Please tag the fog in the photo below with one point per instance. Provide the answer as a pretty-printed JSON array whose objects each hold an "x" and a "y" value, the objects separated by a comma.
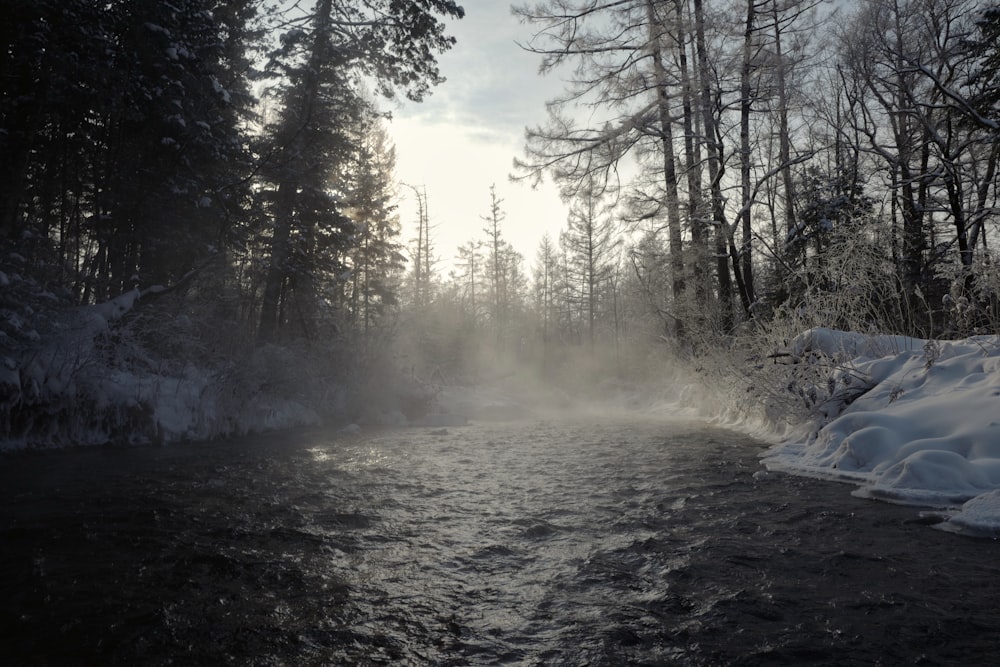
[{"x": 438, "y": 363}]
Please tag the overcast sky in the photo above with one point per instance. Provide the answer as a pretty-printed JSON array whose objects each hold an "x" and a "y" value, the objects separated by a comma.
[{"x": 464, "y": 137}]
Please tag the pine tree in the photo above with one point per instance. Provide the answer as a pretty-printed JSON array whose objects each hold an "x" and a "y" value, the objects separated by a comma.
[
  {"x": 588, "y": 241},
  {"x": 376, "y": 259},
  {"x": 470, "y": 265},
  {"x": 985, "y": 78},
  {"x": 121, "y": 140},
  {"x": 545, "y": 274},
  {"x": 496, "y": 262},
  {"x": 394, "y": 42}
]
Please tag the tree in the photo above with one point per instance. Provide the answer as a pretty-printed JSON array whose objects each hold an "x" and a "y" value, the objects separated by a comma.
[
  {"x": 470, "y": 263},
  {"x": 588, "y": 241},
  {"x": 497, "y": 258},
  {"x": 875, "y": 57},
  {"x": 620, "y": 52},
  {"x": 308, "y": 141},
  {"x": 658, "y": 22},
  {"x": 545, "y": 278},
  {"x": 984, "y": 77},
  {"x": 392, "y": 41},
  {"x": 376, "y": 258},
  {"x": 914, "y": 114},
  {"x": 708, "y": 110},
  {"x": 422, "y": 254},
  {"x": 124, "y": 137}
]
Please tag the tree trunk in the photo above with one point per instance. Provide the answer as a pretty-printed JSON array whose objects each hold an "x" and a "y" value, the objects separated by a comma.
[
  {"x": 692, "y": 166},
  {"x": 276, "y": 270},
  {"x": 784, "y": 141},
  {"x": 746, "y": 106},
  {"x": 713, "y": 145},
  {"x": 284, "y": 209},
  {"x": 671, "y": 195}
]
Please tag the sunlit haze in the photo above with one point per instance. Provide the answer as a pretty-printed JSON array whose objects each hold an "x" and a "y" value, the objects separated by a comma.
[
  {"x": 237, "y": 426},
  {"x": 463, "y": 138}
]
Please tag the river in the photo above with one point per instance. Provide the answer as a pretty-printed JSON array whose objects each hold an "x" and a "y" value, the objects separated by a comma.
[{"x": 617, "y": 541}]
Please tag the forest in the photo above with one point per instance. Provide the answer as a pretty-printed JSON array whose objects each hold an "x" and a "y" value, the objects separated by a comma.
[{"x": 199, "y": 228}]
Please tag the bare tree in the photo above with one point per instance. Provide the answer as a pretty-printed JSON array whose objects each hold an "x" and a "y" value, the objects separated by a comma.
[
  {"x": 911, "y": 66},
  {"x": 470, "y": 261},
  {"x": 623, "y": 58},
  {"x": 423, "y": 251},
  {"x": 589, "y": 240}
]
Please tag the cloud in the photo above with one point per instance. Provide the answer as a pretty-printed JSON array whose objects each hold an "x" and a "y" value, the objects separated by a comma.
[
  {"x": 464, "y": 137},
  {"x": 492, "y": 84},
  {"x": 457, "y": 169}
]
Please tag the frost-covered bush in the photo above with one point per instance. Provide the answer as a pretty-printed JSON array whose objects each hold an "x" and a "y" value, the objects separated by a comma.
[
  {"x": 788, "y": 373},
  {"x": 972, "y": 304},
  {"x": 62, "y": 382}
]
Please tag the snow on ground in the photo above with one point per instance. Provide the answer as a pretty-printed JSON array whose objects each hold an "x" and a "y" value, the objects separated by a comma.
[
  {"x": 920, "y": 423},
  {"x": 87, "y": 382}
]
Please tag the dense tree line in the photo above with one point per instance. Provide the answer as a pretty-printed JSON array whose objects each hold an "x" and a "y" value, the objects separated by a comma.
[
  {"x": 223, "y": 160},
  {"x": 590, "y": 304},
  {"x": 740, "y": 171},
  {"x": 141, "y": 140},
  {"x": 785, "y": 159}
]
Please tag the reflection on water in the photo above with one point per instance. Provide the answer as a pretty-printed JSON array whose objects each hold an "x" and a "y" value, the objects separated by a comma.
[
  {"x": 624, "y": 542},
  {"x": 351, "y": 458}
]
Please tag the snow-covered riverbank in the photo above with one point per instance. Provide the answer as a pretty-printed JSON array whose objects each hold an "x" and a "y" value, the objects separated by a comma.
[{"x": 907, "y": 420}]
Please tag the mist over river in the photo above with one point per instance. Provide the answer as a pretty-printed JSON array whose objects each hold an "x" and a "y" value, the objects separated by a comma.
[{"x": 615, "y": 541}]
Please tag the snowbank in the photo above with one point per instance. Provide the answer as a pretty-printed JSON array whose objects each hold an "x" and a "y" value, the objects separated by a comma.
[
  {"x": 908, "y": 420},
  {"x": 88, "y": 378}
]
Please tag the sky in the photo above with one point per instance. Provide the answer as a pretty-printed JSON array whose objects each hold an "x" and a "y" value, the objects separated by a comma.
[{"x": 465, "y": 136}]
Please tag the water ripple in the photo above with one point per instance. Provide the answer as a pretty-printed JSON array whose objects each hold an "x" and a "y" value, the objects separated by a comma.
[{"x": 612, "y": 543}]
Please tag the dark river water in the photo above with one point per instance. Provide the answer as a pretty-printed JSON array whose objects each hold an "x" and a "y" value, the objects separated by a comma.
[{"x": 616, "y": 542}]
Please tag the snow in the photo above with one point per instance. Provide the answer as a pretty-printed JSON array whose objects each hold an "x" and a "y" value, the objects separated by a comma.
[
  {"x": 982, "y": 512},
  {"x": 113, "y": 309},
  {"x": 152, "y": 27},
  {"x": 922, "y": 426},
  {"x": 89, "y": 382},
  {"x": 220, "y": 89}
]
